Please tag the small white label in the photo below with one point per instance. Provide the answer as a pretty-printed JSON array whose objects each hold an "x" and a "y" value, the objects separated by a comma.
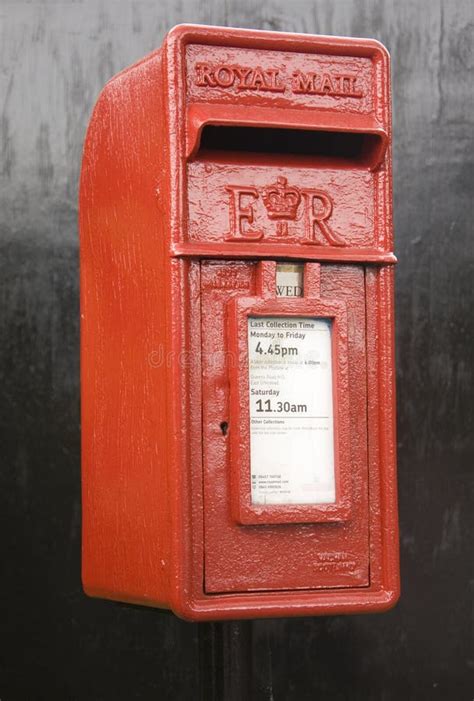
[
  {"x": 291, "y": 410},
  {"x": 289, "y": 280}
]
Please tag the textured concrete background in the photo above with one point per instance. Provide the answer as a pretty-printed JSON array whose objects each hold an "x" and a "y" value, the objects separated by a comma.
[{"x": 57, "y": 644}]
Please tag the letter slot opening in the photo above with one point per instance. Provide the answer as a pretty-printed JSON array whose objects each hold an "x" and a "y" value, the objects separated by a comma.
[{"x": 354, "y": 149}]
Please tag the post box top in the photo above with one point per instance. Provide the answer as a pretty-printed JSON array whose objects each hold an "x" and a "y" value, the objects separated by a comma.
[
  {"x": 297, "y": 80},
  {"x": 221, "y": 77},
  {"x": 183, "y": 34},
  {"x": 298, "y": 91}
]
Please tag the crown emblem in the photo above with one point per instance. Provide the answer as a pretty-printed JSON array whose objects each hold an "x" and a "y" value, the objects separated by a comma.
[{"x": 281, "y": 201}]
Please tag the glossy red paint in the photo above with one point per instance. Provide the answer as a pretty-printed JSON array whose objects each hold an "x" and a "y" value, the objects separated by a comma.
[{"x": 180, "y": 230}]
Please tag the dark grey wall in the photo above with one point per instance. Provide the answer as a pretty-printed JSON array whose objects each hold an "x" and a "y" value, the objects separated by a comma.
[{"x": 57, "y": 644}]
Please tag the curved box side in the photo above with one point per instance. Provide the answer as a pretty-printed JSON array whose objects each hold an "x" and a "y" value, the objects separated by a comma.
[{"x": 124, "y": 318}]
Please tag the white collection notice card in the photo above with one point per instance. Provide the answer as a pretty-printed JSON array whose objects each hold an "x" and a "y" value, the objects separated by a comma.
[{"x": 291, "y": 410}]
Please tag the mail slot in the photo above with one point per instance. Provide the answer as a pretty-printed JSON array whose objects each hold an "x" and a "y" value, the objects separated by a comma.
[{"x": 238, "y": 407}]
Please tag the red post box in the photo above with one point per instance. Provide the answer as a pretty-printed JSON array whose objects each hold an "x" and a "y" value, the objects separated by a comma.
[{"x": 238, "y": 413}]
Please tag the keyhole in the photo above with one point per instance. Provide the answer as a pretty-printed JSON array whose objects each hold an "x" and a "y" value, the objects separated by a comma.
[{"x": 224, "y": 426}]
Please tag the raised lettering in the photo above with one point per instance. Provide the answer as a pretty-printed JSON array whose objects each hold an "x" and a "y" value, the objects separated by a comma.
[
  {"x": 240, "y": 214},
  {"x": 273, "y": 84},
  {"x": 271, "y": 80},
  {"x": 326, "y": 84},
  {"x": 242, "y": 74},
  {"x": 303, "y": 82},
  {"x": 352, "y": 88},
  {"x": 224, "y": 76},
  {"x": 318, "y": 209},
  {"x": 257, "y": 80},
  {"x": 204, "y": 75}
]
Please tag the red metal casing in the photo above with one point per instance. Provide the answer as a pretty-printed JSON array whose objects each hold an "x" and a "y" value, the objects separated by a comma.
[{"x": 177, "y": 250}]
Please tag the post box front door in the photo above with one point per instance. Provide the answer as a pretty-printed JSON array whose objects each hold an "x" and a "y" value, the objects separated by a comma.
[{"x": 297, "y": 554}]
